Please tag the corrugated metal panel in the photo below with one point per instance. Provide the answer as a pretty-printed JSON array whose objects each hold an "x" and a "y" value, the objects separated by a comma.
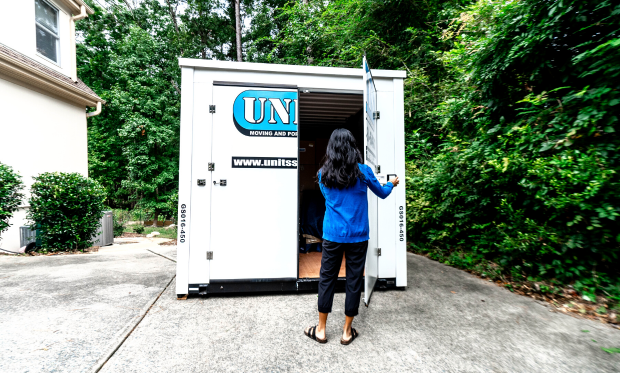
[{"x": 26, "y": 236}]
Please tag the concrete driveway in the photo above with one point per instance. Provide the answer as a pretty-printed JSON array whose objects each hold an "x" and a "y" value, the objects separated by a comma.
[
  {"x": 62, "y": 313},
  {"x": 446, "y": 321}
]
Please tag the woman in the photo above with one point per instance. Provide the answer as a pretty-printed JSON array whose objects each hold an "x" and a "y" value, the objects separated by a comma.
[{"x": 343, "y": 180}]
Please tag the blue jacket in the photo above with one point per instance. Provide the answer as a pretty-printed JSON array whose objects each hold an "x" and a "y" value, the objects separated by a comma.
[{"x": 346, "y": 214}]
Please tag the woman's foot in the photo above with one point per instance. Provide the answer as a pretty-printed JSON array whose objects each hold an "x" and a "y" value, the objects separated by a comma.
[
  {"x": 316, "y": 334},
  {"x": 348, "y": 335}
]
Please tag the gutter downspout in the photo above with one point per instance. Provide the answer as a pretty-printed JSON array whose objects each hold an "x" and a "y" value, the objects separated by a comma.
[
  {"x": 78, "y": 17},
  {"x": 96, "y": 112}
]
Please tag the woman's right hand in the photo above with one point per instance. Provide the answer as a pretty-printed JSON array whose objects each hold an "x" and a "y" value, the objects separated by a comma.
[{"x": 395, "y": 181}]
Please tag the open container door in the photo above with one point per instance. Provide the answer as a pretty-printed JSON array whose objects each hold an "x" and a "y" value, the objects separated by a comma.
[
  {"x": 370, "y": 142},
  {"x": 254, "y": 185}
]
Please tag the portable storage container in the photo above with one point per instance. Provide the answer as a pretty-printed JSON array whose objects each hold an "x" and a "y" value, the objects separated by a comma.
[{"x": 252, "y": 138}]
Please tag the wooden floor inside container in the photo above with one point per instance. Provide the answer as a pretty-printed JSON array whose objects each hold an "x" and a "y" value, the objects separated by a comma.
[{"x": 310, "y": 265}]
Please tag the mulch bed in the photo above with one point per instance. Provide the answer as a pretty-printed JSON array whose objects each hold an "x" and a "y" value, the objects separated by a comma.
[
  {"x": 169, "y": 243},
  {"x": 131, "y": 235},
  {"x": 93, "y": 249}
]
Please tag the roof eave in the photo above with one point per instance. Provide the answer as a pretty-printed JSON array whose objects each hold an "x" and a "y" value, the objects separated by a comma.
[{"x": 33, "y": 76}]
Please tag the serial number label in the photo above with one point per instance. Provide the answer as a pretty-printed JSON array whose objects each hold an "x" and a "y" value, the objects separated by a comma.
[
  {"x": 401, "y": 223},
  {"x": 183, "y": 223}
]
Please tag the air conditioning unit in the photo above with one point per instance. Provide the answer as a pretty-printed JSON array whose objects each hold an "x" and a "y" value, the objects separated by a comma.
[
  {"x": 26, "y": 236},
  {"x": 105, "y": 233}
]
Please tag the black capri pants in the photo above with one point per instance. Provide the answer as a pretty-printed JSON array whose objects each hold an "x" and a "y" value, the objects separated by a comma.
[{"x": 355, "y": 255}]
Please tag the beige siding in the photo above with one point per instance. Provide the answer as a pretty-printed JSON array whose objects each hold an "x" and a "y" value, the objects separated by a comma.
[
  {"x": 38, "y": 134},
  {"x": 17, "y": 31}
]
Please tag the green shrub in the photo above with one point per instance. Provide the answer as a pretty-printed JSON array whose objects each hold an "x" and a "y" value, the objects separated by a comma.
[
  {"x": 527, "y": 173},
  {"x": 10, "y": 196},
  {"x": 118, "y": 227},
  {"x": 68, "y": 208},
  {"x": 139, "y": 229},
  {"x": 121, "y": 218}
]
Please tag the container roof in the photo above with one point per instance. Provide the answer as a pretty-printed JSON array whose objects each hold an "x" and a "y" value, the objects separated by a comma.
[
  {"x": 286, "y": 69},
  {"x": 320, "y": 109}
]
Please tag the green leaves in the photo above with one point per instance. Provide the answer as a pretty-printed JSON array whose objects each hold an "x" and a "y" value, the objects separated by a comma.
[
  {"x": 10, "y": 195},
  {"x": 130, "y": 57},
  {"x": 530, "y": 170},
  {"x": 66, "y": 208}
]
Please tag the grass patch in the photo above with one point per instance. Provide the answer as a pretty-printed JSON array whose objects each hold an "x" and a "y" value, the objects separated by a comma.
[{"x": 163, "y": 231}]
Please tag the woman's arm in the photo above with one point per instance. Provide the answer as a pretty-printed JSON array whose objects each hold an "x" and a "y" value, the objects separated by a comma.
[{"x": 374, "y": 185}]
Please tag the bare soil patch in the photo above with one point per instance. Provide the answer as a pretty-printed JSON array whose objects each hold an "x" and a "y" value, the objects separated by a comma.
[
  {"x": 131, "y": 235},
  {"x": 169, "y": 243}
]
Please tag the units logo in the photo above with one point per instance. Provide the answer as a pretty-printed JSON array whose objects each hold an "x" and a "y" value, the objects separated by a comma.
[{"x": 266, "y": 113}]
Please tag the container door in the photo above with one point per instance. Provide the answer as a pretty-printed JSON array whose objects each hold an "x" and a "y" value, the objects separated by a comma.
[
  {"x": 254, "y": 183},
  {"x": 370, "y": 142}
]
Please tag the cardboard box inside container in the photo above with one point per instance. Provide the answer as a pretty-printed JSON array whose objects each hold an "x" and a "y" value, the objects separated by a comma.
[{"x": 306, "y": 156}]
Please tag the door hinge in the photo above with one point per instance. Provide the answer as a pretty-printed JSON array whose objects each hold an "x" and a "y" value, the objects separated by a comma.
[
  {"x": 378, "y": 169},
  {"x": 209, "y": 255},
  {"x": 211, "y": 166},
  {"x": 376, "y": 115},
  {"x": 378, "y": 251},
  {"x": 212, "y": 109}
]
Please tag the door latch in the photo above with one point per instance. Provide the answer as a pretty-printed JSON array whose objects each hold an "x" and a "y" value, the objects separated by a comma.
[
  {"x": 202, "y": 182},
  {"x": 209, "y": 255},
  {"x": 222, "y": 182},
  {"x": 212, "y": 109},
  {"x": 378, "y": 169},
  {"x": 211, "y": 166},
  {"x": 376, "y": 115},
  {"x": 379, "y": 251}
]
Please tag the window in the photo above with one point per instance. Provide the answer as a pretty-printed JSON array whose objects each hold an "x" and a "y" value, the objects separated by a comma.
[{"x": 46, "y": 19}]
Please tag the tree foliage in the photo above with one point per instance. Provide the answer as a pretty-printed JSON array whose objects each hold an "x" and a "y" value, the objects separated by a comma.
[
  {"x": 10, "y": 194},
  {"x": 511, "y": 113},
  {"x": 527, "y": 170}
]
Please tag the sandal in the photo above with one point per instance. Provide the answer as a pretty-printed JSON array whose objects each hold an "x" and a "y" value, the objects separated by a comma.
[
  {"x": 311, "y": 333},
  {"x": 354, "y": 335}
]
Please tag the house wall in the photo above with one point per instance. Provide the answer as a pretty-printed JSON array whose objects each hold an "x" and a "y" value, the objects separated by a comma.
[
  {"x": 38, "y": 134},
  {"x": 17, "y": 31}
]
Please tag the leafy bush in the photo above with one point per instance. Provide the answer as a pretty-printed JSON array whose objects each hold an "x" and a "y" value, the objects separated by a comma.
[
  {"x": 10, "y": 196},
  {"x": 139, "y": 229},
  {"x": 118, "y": 227},
  {"x": 528, "y": 171},
  {"x": 121, "y": 218},
  {"x": 68, "y": 208}
]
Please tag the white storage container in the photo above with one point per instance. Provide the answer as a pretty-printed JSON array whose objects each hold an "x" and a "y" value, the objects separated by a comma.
[{"x": 252, "y": 137}]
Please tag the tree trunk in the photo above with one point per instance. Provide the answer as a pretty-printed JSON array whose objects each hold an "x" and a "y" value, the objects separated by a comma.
[
  {"x": 155, "y": 218},
  {"x": 308, "y": 48},
  {"x": 238, "y": 29}
]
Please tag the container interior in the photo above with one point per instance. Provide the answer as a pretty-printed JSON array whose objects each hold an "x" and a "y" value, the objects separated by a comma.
[{"x": 319, "y": 115}]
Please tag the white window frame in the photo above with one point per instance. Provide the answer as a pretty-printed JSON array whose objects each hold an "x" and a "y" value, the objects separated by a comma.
[{"x": 56, "y": 35}]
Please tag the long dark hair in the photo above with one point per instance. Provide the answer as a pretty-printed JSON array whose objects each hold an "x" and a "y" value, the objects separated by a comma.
[{"x": 339, "y": 168}]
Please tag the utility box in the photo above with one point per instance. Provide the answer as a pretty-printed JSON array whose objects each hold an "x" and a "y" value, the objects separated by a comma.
[
  {"x": 252, "y": 140},
  {"x": 105, "y": 232}
]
